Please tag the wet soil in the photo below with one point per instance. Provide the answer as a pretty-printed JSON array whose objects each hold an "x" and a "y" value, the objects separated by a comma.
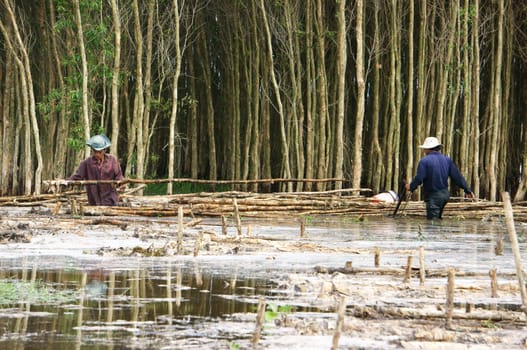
[{"x": 134, "y": 286}]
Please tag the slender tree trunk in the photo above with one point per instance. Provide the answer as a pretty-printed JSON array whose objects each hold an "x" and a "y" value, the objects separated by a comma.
[
  {"x": 148, "y": 87},
  {"x": 410, "y": 94},
  {"x": 115, "y": 77},
  {"x": 310, "y": 105},
  {"x": 175, "y": 81},
  {"x": 86, "y": 119},
  {"x": 29, "y": 105},
  {"x": 139, "y": 106},
  {"x": 61, "y": 136},
  {"x": 421, "y": 83},
  {"x": 446, "y": 67},
  {"x": 8, "y": 129},
  {"x": 341, "y": 100},
  {"x": 377, "y": 160},
  {"x": 284, "y": 145},
  {"x": 361, "y": 90},
  {"x": 254, "y": 166},
  {"x": 467, "y": 93},
  {"x": 496, "y": 102},
  {"x": 209, "y": 114},
  {"x": 321, "y": 87},
  {"x": 474, "y": 102},
  {"x": 194, "y": 146}
]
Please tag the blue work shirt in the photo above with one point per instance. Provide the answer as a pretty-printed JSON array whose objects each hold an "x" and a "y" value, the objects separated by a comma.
[{"x": 433, "y": 172}]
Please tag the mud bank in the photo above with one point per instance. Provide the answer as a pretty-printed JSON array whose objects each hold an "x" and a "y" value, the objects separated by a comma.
[{"x": 204, "y": 293}]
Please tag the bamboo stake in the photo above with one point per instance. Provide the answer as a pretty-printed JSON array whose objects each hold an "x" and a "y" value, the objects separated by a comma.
[
  {"x": 74, "y": 207},
  {"x": 422, "y": 271},
  {"x": 450, "y": 298},
  {"x": 302, "y": 227},
  {"x": 408, "y": 272},
  {"x": 340, "y": 321},
  {"x": 249, "y": 231},
  {"x": 197, "y": 246},
  {"x": 493, "y": 284},
  {"x": 180, "y": 231},
  {"x": 237, "y": 216},
  {"x": 498, "y": 250},
  {"x": 260, "y": 318},
  {"x": 509, "y": 220},
  {"x": 377, "y": 259},
  {"x": 223, "y": 225}
]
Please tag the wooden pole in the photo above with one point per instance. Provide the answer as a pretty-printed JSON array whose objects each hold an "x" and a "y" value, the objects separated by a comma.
[
  {"x": 377, "y": 259},
  {"x": 422, "y": 271},
  {"x": 509, "y": 220},
  {"x": 223, "y": 225},
  {"x": 493, "y": 283},
  {"x": 237, "y": 216},
  {"x": 450, "y": 298},
  {"x": 260, "y": 318},
  {"x": 340, "y": 321},
  {"x": 180, "y": 231},
  {"x": 498, "y": 250},
  {"x": 197, "y": 246},
  {"x": 302, "y": 227},
  {"x": 408, "y": 271}
]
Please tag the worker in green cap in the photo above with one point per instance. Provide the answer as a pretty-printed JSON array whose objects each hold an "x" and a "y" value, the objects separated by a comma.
[{"x": 99, "y": 166}]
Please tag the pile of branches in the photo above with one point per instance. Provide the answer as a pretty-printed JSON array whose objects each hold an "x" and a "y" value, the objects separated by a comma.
[
  {"x": 298, "y": 204},
  {"x": 352, "y": 202}
]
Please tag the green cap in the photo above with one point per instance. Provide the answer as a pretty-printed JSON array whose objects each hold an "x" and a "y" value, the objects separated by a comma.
[{"x": 99, "y": 142}]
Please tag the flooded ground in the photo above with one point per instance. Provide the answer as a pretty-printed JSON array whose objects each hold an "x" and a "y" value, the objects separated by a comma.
[{"x": 89, "y": 283}]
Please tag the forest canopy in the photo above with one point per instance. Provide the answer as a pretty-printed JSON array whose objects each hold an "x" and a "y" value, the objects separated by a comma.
[{"x": 258, "y": 89}]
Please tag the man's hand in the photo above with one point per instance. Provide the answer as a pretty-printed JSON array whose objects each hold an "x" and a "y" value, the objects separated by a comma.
[
  {"x": 469, "y": 195},
  {"x": 407, "y": 186}
]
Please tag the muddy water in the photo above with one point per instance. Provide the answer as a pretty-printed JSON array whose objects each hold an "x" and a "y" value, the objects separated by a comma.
[{"x": 208, "y": 302}]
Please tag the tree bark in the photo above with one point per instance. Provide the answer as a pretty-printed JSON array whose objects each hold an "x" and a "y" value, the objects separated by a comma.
[
  {"x": 86, "y": 113},
  {"x": 361, "y": 90},
  {"x": 341, "y": 99}
]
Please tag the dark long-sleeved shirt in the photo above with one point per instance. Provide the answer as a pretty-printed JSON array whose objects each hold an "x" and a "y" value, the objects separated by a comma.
[
  {"x": 89, "y": 169},
  {"x": 433, "y": 172}
]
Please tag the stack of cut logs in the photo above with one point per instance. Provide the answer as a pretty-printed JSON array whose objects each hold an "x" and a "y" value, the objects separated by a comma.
[{"x": 336, "y": 202}]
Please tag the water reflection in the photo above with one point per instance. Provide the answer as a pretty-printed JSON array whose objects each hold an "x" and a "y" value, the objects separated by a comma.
[{"x": 108, "y": 306}]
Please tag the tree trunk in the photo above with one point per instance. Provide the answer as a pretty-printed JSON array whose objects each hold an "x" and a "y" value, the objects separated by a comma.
[
  {"x": 86, "y": 113},
  {"x": 139, "y": 105},
  {"x": 496, "y": 103},
  {"x": 175, "y": 81},
  {"x": 410, "y": 95},
  {"x": 115, "y": 77},
  {"x": 284, "y": 145},
  {"x": 361, "y": 90},
  {"x": 321, "y": 93},
  {"x": 341, "y": 99},
  {"x": 474, "y": 103}
]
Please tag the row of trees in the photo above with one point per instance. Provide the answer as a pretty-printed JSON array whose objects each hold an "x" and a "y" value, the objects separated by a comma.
[{"x": 254, "y": 89}]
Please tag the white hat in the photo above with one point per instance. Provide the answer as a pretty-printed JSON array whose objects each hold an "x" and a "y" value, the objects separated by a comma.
[{"x": 430, "y": 143}]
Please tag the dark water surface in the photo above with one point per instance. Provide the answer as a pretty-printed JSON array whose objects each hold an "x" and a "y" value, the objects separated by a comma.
[{"x": 88, "y": 302}]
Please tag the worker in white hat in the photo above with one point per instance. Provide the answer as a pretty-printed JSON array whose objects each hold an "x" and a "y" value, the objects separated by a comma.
[{"x": 433, "y": 172}]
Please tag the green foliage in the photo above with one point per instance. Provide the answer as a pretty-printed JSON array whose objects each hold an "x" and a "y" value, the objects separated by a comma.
[
  {"x": 182, "y": 187},
  {"x": 16, "y": 291},
  {"x": 76, "y": 140},
  {"x": 489, "y": 324},
  {"x": 273, "y": 311}
]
